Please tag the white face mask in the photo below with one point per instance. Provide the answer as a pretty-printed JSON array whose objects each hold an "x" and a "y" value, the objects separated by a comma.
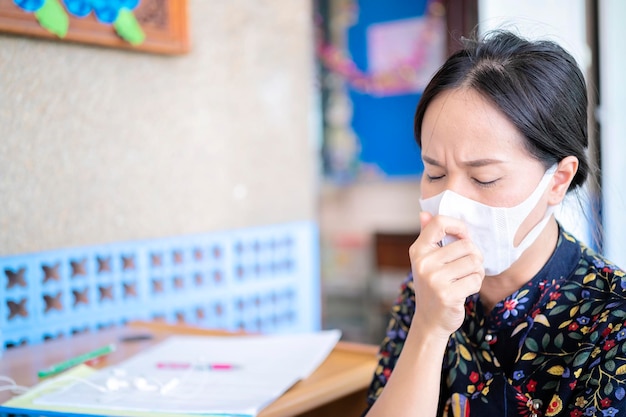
[{"x": 493, "y": 229}]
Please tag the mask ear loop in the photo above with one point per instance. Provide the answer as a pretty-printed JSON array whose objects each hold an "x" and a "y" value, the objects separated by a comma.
[{"x": 535, "y": 231}]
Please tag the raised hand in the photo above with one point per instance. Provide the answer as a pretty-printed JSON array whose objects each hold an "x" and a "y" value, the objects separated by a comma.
[{"x": 444, "y": 276}]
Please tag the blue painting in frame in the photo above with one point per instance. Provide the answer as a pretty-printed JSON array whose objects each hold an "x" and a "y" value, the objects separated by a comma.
[{"x": 384, "y": 124}]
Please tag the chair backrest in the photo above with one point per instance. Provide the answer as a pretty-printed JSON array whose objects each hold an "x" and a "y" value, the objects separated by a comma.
[{"x": 391, "y": 250}]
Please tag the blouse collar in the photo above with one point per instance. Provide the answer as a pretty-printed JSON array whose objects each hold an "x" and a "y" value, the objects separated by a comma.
[{"x": 538, "y": 291}]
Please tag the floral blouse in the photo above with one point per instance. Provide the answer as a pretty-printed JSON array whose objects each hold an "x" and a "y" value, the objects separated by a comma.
[{"x": 557, "y": 346}]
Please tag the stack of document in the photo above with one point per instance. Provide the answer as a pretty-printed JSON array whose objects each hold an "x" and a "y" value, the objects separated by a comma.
[{"x": 185, "y": 375}]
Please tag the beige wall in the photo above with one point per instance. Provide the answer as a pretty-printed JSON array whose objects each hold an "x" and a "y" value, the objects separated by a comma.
[
  {"x": 100, "y": 145},
  {"x": 369, "y": 207}
]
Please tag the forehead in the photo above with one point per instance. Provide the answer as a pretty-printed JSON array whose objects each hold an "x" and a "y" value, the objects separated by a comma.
[{"x": 462, "y": 123}]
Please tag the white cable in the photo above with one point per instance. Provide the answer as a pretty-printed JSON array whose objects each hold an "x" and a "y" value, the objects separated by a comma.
[
  {"x": 15, "y": 389},
  {"x": 56, "y": 380},
  {"x": 7, "y": 379},
  {"x": 12, "y": 386}
]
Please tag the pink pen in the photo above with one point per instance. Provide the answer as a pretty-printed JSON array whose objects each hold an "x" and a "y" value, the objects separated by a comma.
[
  {"x": 221, "y": 367},
  {"x": 172, "y": 365}
]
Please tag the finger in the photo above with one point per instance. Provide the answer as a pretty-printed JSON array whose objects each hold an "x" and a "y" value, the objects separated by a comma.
[
  {"x": 438, "y": 271},
  {"x": 425, "y": 218},
  {"x": 463, "y": 267},
  {"x": 436, "y": 229},
  {"x": 456, "y": 269},
  {"x": 466, "y": 286},
  {"x": 440, "y": 226},
  {"x": 459, "y": 249}
]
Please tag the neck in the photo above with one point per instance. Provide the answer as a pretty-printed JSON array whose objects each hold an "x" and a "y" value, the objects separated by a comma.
[{"x": 497, "y": 287}]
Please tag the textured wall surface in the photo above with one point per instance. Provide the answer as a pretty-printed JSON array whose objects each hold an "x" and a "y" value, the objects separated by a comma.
[{"x": 100, "y": 145}]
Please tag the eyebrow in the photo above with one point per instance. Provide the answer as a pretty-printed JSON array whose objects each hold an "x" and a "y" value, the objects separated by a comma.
[{"x": 476, "y": 163}]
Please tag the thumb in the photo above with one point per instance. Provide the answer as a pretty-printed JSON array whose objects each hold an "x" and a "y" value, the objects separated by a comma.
[{"x": 425, "y": 218}]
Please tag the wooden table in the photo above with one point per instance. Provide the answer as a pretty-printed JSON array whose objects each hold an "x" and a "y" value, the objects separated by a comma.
[{"x": 336, "y": 388}]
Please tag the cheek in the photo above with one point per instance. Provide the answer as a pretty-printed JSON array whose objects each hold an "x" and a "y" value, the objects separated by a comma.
[
  {"x": 500, "y": 198},
  {"x": 428, "y": 189},
  {"x": 505, "y": 194},
  {"x": 514, "y": 194}
]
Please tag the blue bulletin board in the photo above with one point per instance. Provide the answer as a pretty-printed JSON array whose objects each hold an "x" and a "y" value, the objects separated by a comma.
[{"x": 391, "y": 49}]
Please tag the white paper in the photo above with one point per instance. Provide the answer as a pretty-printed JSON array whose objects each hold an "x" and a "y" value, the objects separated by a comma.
[
  {"x": 396, "y": 44},
  {"x": 175, "y": 376}
]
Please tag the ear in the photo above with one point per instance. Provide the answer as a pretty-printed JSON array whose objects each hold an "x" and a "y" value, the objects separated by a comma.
[{"x": 565, "y": 172}]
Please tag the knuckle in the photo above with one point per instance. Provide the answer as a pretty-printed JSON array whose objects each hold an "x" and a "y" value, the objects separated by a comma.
[
  {"x": 418, "y": 268},
  {"x": 468, "y": 246},
  {"x": 476, "y": 282},
  {"x": 477, "y": 261}
]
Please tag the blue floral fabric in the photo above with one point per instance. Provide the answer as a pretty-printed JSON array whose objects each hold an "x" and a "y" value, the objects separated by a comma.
[{"x": 557, "y": 346}]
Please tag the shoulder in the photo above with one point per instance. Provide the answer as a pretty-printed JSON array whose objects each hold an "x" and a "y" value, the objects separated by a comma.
[
  {"x": 594, "y": 274},
  {"x": 590, "y": 301}
]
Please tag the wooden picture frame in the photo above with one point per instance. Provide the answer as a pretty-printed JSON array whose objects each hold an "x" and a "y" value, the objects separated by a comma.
[{"x": 164, "y": 23}]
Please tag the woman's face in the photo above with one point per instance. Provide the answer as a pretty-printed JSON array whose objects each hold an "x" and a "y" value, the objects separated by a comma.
[{"x": 471, "y": 148}]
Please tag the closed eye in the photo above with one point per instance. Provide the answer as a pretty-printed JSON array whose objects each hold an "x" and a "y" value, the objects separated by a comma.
[
  {"x": 485, "y": 184},
  {"x": 432, "y": 178}
]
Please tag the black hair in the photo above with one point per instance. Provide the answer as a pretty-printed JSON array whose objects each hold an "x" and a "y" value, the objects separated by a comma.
[{"x": 536, "y": 84}]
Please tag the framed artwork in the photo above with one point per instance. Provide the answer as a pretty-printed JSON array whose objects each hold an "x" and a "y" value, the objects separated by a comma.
[{"x": 156, "y": 26}]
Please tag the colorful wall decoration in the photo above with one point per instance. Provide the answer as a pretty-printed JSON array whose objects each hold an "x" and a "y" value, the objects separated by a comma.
[
  {"x": 377, "y": 58},
  {"x": 158, "y": 26}
]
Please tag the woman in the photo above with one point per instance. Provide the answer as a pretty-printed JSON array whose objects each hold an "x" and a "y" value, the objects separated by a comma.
[{"x": 505, "y": 313}]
